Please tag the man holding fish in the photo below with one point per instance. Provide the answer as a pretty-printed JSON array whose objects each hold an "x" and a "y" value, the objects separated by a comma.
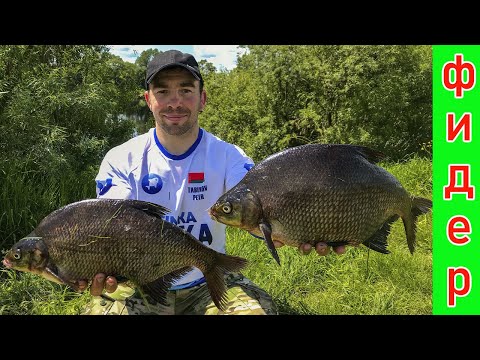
[{"x": 182, "y": 167}]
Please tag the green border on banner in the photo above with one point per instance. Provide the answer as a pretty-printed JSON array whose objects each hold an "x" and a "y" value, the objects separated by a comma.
[{"x": 456, "y": 267}]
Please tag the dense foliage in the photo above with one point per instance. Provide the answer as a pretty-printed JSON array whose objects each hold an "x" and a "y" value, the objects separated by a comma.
[
  {"x": 283, "y": 96},
  {"x": 63, "y": 106}
]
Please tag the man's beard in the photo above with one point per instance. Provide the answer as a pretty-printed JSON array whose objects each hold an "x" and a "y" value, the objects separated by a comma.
[{"x": 177, "y": 130}]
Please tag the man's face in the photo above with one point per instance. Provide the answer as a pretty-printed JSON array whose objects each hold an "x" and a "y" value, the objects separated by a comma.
[{"x": 175, "y": 100}]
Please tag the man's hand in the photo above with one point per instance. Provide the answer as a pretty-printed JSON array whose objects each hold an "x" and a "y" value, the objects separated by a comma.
[
  {"x": 321, "y": 248},
  {"x": 99, "y": 283}
]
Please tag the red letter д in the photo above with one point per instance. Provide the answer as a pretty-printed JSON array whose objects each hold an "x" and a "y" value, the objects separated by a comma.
[{"x": 463, "y": 187}]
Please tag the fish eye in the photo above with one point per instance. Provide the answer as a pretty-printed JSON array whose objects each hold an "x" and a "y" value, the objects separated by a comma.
[
  {"x": 17, "y": 255},
  {"x": 227, "y": 208}
]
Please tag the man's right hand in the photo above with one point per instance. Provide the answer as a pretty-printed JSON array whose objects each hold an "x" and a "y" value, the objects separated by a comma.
[
  {"x": 99, "y": 283},
  {"x": 321, "y": 248}
]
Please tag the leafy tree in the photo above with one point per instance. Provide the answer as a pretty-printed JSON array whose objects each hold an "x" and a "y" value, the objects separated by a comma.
[
  {"x": 66, "y": 105},
  {"x": 143, "y": 117},
  {"x": 282, "y": 96}
]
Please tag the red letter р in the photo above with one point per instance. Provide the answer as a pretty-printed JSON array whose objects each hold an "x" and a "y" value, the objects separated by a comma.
[
  {"x": 464, "y": 123},
  {"x": 458, "y": 67},
  {"x": 452, "y": 229},
  {"x": 452, "y": 290},
  {"x": 464, "y": 187}
]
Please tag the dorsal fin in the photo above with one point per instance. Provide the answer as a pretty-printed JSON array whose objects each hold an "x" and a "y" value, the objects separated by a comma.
[
  {"x": 371, "y": 155},
  {"x": 149, "y": 208}
]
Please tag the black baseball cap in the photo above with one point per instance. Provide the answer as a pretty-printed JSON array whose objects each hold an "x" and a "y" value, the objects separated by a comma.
[{"x": 169, "y": 59}]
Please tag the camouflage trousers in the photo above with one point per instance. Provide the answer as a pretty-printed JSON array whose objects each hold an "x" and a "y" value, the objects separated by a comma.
[{"x": 244, "y": 298}]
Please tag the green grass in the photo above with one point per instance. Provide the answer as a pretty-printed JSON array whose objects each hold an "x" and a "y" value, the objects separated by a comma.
[
  {"x": 28, "y": 294},
  {"x": 361, "y": 281}
]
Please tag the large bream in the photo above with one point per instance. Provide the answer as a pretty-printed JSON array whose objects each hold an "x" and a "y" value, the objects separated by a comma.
[{"x": 321, "y": 193}]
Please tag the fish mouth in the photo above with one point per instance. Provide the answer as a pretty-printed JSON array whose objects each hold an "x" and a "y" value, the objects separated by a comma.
[
  {"x": 212, "y": 214},
  {"x": 7, "y": 263}
]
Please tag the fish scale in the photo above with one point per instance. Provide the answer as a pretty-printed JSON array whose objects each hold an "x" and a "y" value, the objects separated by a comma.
[
  {"x": 102, "y": 242},
  {"x": 326, "y": 220},
  {"x": 121, "y": 238},
  {"x": 332, "y": 193}
]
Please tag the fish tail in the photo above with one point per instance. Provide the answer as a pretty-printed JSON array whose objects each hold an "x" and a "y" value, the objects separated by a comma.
[
  {"x": 419, "y": 206},
  {"x": 214, "y": 276}
]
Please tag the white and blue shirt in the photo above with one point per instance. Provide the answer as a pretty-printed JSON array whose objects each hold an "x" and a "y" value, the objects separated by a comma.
[{"x": 187, "y": 184}]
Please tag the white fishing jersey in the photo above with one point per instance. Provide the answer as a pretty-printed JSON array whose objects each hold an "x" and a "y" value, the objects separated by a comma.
[{"x": 187, "y": 184}]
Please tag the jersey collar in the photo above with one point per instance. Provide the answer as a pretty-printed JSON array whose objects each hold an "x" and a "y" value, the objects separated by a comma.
[{"x": 181, "y": 156}]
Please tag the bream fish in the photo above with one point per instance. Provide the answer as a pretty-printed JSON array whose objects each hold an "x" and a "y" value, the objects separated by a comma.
[
  {"x": 127, "y": 239},
  {"x": 314, "y": 193}
]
